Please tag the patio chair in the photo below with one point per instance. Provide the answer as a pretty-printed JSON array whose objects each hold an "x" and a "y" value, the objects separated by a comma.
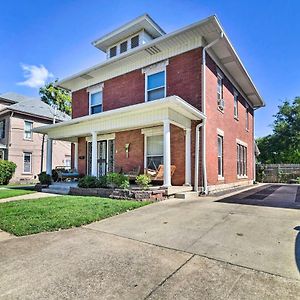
[
  {"x": 158, "y": 176},
  {"x": 64, "y": 173}
]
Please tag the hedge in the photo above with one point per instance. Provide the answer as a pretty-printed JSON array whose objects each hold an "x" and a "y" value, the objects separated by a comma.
[{"x": 7, "y": 170}]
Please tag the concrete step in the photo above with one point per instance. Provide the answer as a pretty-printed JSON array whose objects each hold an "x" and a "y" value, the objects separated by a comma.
[{"x": 187, "y": 195}]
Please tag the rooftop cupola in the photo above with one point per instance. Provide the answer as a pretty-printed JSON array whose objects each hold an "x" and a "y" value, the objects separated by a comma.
[{"x": 129, "y": 36}]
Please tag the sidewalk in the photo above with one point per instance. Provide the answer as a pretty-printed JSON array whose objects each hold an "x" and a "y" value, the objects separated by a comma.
[{"x": 37, "y": 195}]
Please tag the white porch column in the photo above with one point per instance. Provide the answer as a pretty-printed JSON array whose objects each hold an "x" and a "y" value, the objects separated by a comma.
[
  {"x": 94, "y": 154},
  {"x": 188, "y": 164},
  {"x": 167, "y": 154},
  {"x": 49, "y": 157},
  {"x": 76, "y": 156}
]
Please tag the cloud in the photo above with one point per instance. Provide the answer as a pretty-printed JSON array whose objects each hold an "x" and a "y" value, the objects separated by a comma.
[{"x": 36, "y": 76}]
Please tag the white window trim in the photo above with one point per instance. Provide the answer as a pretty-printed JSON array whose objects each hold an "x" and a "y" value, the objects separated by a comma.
[
  {"x": 220, "y": 132},
  {"x": 247, "y": 117},
  {"x": 236, "y": 94},
  {"x": 153, "y": 69},
  {"x": 221, "y": 176},
  {"x": 93, "y": 90},
  {"x": 220, "y": 76},
  {"x": 31, "y": 137},
  {"x": 153, "y": 131},
  {"x": 30, "y": 153},
  {"x": 241, "y": 143}
]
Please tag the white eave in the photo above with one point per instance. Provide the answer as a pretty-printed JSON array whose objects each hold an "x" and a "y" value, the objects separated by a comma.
[
  {"x": 144, "y": 22},
  {"x": 185, "y": 39},
  {"x": 139, "y": 115}
]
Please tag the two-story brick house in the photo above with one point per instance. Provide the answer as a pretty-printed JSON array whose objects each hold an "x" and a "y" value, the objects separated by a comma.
[
  {"x": 182, "y": 99},
  {"x": 19, "y": 115}
]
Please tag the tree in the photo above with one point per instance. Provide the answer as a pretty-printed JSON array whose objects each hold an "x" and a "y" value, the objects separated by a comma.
[
  {"x": 283, "y": 145},
  {"x": 54, "y": 95}
]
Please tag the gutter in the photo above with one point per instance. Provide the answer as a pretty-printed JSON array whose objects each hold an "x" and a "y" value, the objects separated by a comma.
[{"x": 203, "y": 125}]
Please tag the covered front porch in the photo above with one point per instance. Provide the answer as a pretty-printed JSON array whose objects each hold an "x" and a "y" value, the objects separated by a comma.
[{"x": 141, "y": 137}]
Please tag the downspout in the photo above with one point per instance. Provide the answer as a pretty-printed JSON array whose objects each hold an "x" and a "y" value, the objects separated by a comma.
[
  {"x": 203, "y": 97},
  {"x": 197, "y": 146}
]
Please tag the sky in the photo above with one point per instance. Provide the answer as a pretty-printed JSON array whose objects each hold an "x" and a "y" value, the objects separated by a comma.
[{"x": 45, "y": 40}]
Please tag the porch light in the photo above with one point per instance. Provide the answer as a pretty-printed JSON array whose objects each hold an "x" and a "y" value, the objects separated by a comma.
[{"x": 127, "y": 150}]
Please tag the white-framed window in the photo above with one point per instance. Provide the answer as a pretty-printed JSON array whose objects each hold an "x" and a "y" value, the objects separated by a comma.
[
  {"x": 154, "y": 151},
  {"x": 2, "y": 129},
  {"x": 135, "y": 41},
  {"x": 96, "y": 99},
  {"x": 113, "y": 51},
  {"x": 28, "y": 125},
  {"x": 27, "y": 162},
  {"x": 1, "y": 154},
  {"x": 236, "y": 104},
  {"x": 219, "y": 86},
  {"x": 220, "y": 157},
  {"x": 156, "y": 85},
  {"x": 123, "y": 47},
  {"x": 241, "y": 160},
  {"x": 247, "y": 118}
]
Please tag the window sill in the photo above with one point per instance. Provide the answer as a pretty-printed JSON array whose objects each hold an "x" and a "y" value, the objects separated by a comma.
[
  {"x": 30, "y": 140},
  {"x": 25, "y": 173},
  {"x": 221, "y": 110},
  {"x": 242, "y": 177},
  {"x": 221, "y": 178},
  {"x": 247, "y": 130},
  {"x": 236, "y": 118}
]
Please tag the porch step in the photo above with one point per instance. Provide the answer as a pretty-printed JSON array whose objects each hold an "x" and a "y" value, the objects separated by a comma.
[
  {"x": 61, "y": 188},
  {"x": 187, "y": 195}
]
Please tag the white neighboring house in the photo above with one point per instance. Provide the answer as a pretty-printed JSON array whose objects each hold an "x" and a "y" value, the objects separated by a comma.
[{"x": 19, "y": 114}]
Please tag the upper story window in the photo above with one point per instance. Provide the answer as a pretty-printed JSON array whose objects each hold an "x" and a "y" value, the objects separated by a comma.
[
  {"x": 2, "y": 129},
  {"x": 135, "y": 41},
  {"x": 113, "y": 51},
  {"x": 28, "y": 130},
  {"x": 123, "y": 47},
  {"x": 156, "y": 86},
  {"x": 95, "y": 102},
  {"x": 247, "y": 118},
  {"x": 219, "y": 87},
  {"x": 235, "y": 104}
]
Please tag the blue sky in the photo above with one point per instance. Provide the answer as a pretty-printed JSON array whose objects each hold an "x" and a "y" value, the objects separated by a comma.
[{"x": 52, "y": 39}]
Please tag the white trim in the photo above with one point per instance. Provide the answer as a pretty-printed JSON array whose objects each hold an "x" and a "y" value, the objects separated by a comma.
[
  {"x": 154, "y": 69},
  {"x": 158, "y": 130},
  {"x": 220, "y": 132},
  {"x": 102, "y": 137},
  {"x": 188, "y": 158},
  {"x": 94, "y": 90},
  {"x": 167, "y": 153},
  {"x": 236, "y": 97},
  {"x": 241, "y": 143},
  {"x": 30, "y": 154},
  {"x": 31, "y": 131}
]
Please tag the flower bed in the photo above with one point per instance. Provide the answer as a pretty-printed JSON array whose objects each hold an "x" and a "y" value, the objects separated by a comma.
[{"x": 130, "y": 194}]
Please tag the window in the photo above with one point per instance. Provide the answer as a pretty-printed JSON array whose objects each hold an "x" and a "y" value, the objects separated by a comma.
[
  {"x": 134, "y": 41},
  {"x": 156, "y": 86},
  {"x": 247, "y": 118},
  {"x": 67, "y": 161},
  {"x": 154, "y": 151},
  {"x": 220, "y": 87},
  {"x": 123, "y": 47},
  {"x": 2, "y": 129},
  {"x": 241, "y": 160},
  {"x": 220, "y": 156},
  {"x": 95, "y": 102},
  {"x": 28, "y": 130},
  {"x": 236, "y": 104},
  {"x": 113, "y": 51},
  {"x": 27, "y": 162},
  {"x": 1, "y": 154}
]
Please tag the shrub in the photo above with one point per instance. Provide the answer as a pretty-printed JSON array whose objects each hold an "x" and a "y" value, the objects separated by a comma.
[
  {"x": 102, "y": 181},
  {"x": 45, "y": 178},
  {"x": 117, "y": 180},
  {"x": 88, "y": 182},
  {"x": 143, "y": 181},
  {"x": 7, "y": 169},
  {"x": 54, "y": 175}
]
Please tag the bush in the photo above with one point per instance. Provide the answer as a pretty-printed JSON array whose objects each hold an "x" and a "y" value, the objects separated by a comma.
[
  {"x": 7, "y": 170},
  {"x": 143, "y": 181},
  {"x": 117, "y": 180},
  {"x": 88, "y": 182},
  {"x": 45, "y": 178},
  {"x": 54, "y": 175}
]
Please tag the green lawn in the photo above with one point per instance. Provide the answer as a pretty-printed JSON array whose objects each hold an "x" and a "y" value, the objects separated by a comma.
[
  {"x": 61, "y": 212},
  {"x": 7, "y": 193}
]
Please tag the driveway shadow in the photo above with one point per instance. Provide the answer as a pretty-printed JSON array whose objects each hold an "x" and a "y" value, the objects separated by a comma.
[{"x": 297, "y": 248}]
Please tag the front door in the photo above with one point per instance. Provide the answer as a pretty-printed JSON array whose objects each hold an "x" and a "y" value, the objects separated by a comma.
[{"x": 102, "y": 158}]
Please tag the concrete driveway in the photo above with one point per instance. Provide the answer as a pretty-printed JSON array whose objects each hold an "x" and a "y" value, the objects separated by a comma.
[{"x": 176, "y": 249}]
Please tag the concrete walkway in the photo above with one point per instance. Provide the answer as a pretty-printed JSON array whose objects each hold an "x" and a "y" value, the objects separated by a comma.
[
  {"x": 37, "y": 195},
  {"x": 195, "y": 249}
]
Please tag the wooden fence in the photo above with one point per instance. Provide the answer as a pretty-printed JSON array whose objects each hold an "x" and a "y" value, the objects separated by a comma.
[{"x": 284, "y": 173}]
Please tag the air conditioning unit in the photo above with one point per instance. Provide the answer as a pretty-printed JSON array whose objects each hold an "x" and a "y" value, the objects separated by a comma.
[{"x": 221, "y": 104}]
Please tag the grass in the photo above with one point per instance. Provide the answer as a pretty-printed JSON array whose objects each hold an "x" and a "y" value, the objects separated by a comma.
[
  {"x": 62, "y": 212},
  {"x": 7, "y": 193}
]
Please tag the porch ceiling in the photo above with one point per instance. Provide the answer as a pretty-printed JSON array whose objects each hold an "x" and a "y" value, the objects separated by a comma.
[{"x": 172, "y": 108}]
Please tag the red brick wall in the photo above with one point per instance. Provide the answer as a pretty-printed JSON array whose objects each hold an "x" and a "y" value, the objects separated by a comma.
[
  {"x": 184, "y": 77},
  {"x": 136, "y": 150},
  {"x": 124, "y": 90},
  {"x": 233, "y": 129},
  {"x": 80, "y": 103},
  {"x": 82, "y": 152}
]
